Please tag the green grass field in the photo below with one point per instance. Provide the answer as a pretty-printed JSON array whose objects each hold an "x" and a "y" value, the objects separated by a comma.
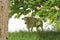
[{"x": 34, "y": 35}]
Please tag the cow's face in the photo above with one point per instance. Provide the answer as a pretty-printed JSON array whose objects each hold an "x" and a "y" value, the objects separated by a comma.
[{"x": 25, "y": 19}]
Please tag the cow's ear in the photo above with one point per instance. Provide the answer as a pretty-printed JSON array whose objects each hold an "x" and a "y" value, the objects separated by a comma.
[{"x": 22, "y": 18}]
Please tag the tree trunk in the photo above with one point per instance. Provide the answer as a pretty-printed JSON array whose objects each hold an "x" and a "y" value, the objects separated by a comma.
[{"x": 4, "y": 11}]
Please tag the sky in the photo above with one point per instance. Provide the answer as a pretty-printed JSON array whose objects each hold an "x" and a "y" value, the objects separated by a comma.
[{"x": 19, "y": 24}]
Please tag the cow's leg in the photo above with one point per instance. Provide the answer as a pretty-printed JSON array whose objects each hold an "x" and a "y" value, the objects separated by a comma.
[
  {"x": 28, "y": 29},
  {"x": 41, "y": 25},
  {"x": 31, "y": 28},
  {"x": 42, "y": 28},
  {"x": 37, "y": 28}
]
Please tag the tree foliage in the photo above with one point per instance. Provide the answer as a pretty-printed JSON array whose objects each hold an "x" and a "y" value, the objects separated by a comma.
[{"x": 43, "y": 8}]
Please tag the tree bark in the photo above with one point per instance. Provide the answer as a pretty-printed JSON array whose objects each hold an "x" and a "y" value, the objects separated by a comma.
[{"x": 4, "y": 12}]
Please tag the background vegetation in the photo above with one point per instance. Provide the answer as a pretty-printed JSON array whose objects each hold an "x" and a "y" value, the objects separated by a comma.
[{"x": 45, "y": 9}]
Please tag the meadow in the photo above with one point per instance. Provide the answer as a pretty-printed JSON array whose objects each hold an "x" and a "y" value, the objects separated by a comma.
[{"x": 21, "y": 35}]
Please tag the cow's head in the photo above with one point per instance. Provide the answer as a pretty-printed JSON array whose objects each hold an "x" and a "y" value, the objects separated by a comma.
[{"x": 25, "y": 19}]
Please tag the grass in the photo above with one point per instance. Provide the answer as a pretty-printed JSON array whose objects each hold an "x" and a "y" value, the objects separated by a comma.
[{"x": 34, "y": 35}]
